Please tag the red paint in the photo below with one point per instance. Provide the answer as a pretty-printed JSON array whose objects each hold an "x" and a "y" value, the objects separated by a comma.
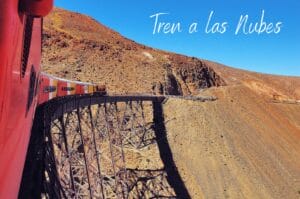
[
  {"x": 16, "y": 115},
  {"x": 60, "y": 88},
  {"x": 79, "y": 89},
  {"x": 39, "y": 8},
  {"x": 43, "y": 89},
  {"x": 17, "y": 100}
]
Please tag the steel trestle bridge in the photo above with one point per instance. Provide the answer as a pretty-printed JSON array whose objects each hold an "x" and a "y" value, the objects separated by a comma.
[{"x": 85, "y": 146}]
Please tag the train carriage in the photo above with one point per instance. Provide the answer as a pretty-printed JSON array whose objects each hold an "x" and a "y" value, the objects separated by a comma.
[
  {"x": 20, "y": 49},
  {"x": 52, "y": 87},
  {"x": 23, "y": 86}
]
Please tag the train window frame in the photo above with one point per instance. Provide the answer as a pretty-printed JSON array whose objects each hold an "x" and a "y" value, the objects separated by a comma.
[
  {"x": 32, "y": 89},
  {"x": 26, "y": 44},
  {"x": 49, "y": 89}
]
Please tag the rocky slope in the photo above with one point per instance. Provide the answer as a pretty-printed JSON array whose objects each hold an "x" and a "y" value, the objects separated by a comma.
[
  {"x": 243, "y": 145},
  {"x": 239, "y": 146},
  {"x": 78, "y": 47}
]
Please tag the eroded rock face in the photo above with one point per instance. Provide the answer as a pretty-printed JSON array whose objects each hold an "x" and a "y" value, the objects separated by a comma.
[
  {"x": 172, "y": 86},
  {"x": 187, "y": 76},
  {"x": 193, "y": 75}
]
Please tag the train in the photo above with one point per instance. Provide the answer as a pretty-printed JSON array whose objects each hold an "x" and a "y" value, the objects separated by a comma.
[
  {"x": 52, "y": 87},
  {"x": 23, "y": 86}
]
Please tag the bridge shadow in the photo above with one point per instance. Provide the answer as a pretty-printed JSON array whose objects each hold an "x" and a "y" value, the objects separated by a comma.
[
  {"x": 42, "y": 175},
  {"x": 166, "y": 154}
]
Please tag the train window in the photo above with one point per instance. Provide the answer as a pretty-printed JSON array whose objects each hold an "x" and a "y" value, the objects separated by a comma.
[
  {"x": 67, "y": 88},
  {"x": 49, "y": 89},
  {"x": 31, "y": 89},
  {"x": 26, "y": 44}
]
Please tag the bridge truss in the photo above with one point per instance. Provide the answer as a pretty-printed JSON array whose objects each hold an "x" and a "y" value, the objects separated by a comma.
[{"x": 100, "y": 147}]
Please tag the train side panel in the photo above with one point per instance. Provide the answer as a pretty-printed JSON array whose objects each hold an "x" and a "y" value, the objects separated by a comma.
[
  {"x": 61, "y": 88},
  {"x": 52, "y": 88},
  {"x": 79, "y": 89},
  {"x": 71, "y": 88},
  {"x": 20, "y": 50},
  {"x": 47, "y": 89}
]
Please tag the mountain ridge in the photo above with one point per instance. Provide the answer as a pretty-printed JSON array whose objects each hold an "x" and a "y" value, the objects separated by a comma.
[{"x": 88, "y": 44}]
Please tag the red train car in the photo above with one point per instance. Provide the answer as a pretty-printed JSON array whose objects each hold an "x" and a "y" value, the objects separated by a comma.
[
  {"x": 20, "y": 51},
  {"x": 47, "y": 89},
  {"x": 51, "y": 87},
  {"x": 23, "y": 86}
]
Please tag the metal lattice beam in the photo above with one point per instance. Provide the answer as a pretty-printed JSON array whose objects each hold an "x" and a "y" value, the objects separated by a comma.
[
  {"x": 90, "y": 145},
  {"x": 103, "y": 147}
]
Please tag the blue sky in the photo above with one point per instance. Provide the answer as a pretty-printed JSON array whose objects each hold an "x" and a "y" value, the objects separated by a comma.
[{"x": 268, "y": 53}]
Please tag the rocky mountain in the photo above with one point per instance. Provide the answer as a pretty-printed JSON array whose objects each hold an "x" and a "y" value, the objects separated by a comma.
[
  {"x": 243, "y": 145},
  {"x": 78, "y": 47}
]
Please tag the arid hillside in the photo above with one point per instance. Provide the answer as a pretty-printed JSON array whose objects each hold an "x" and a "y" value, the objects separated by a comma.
[
  {"x": 245, "y": 144},
  {"x": 240, "y": 146},
  {"x": 78, "y": 47}
]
